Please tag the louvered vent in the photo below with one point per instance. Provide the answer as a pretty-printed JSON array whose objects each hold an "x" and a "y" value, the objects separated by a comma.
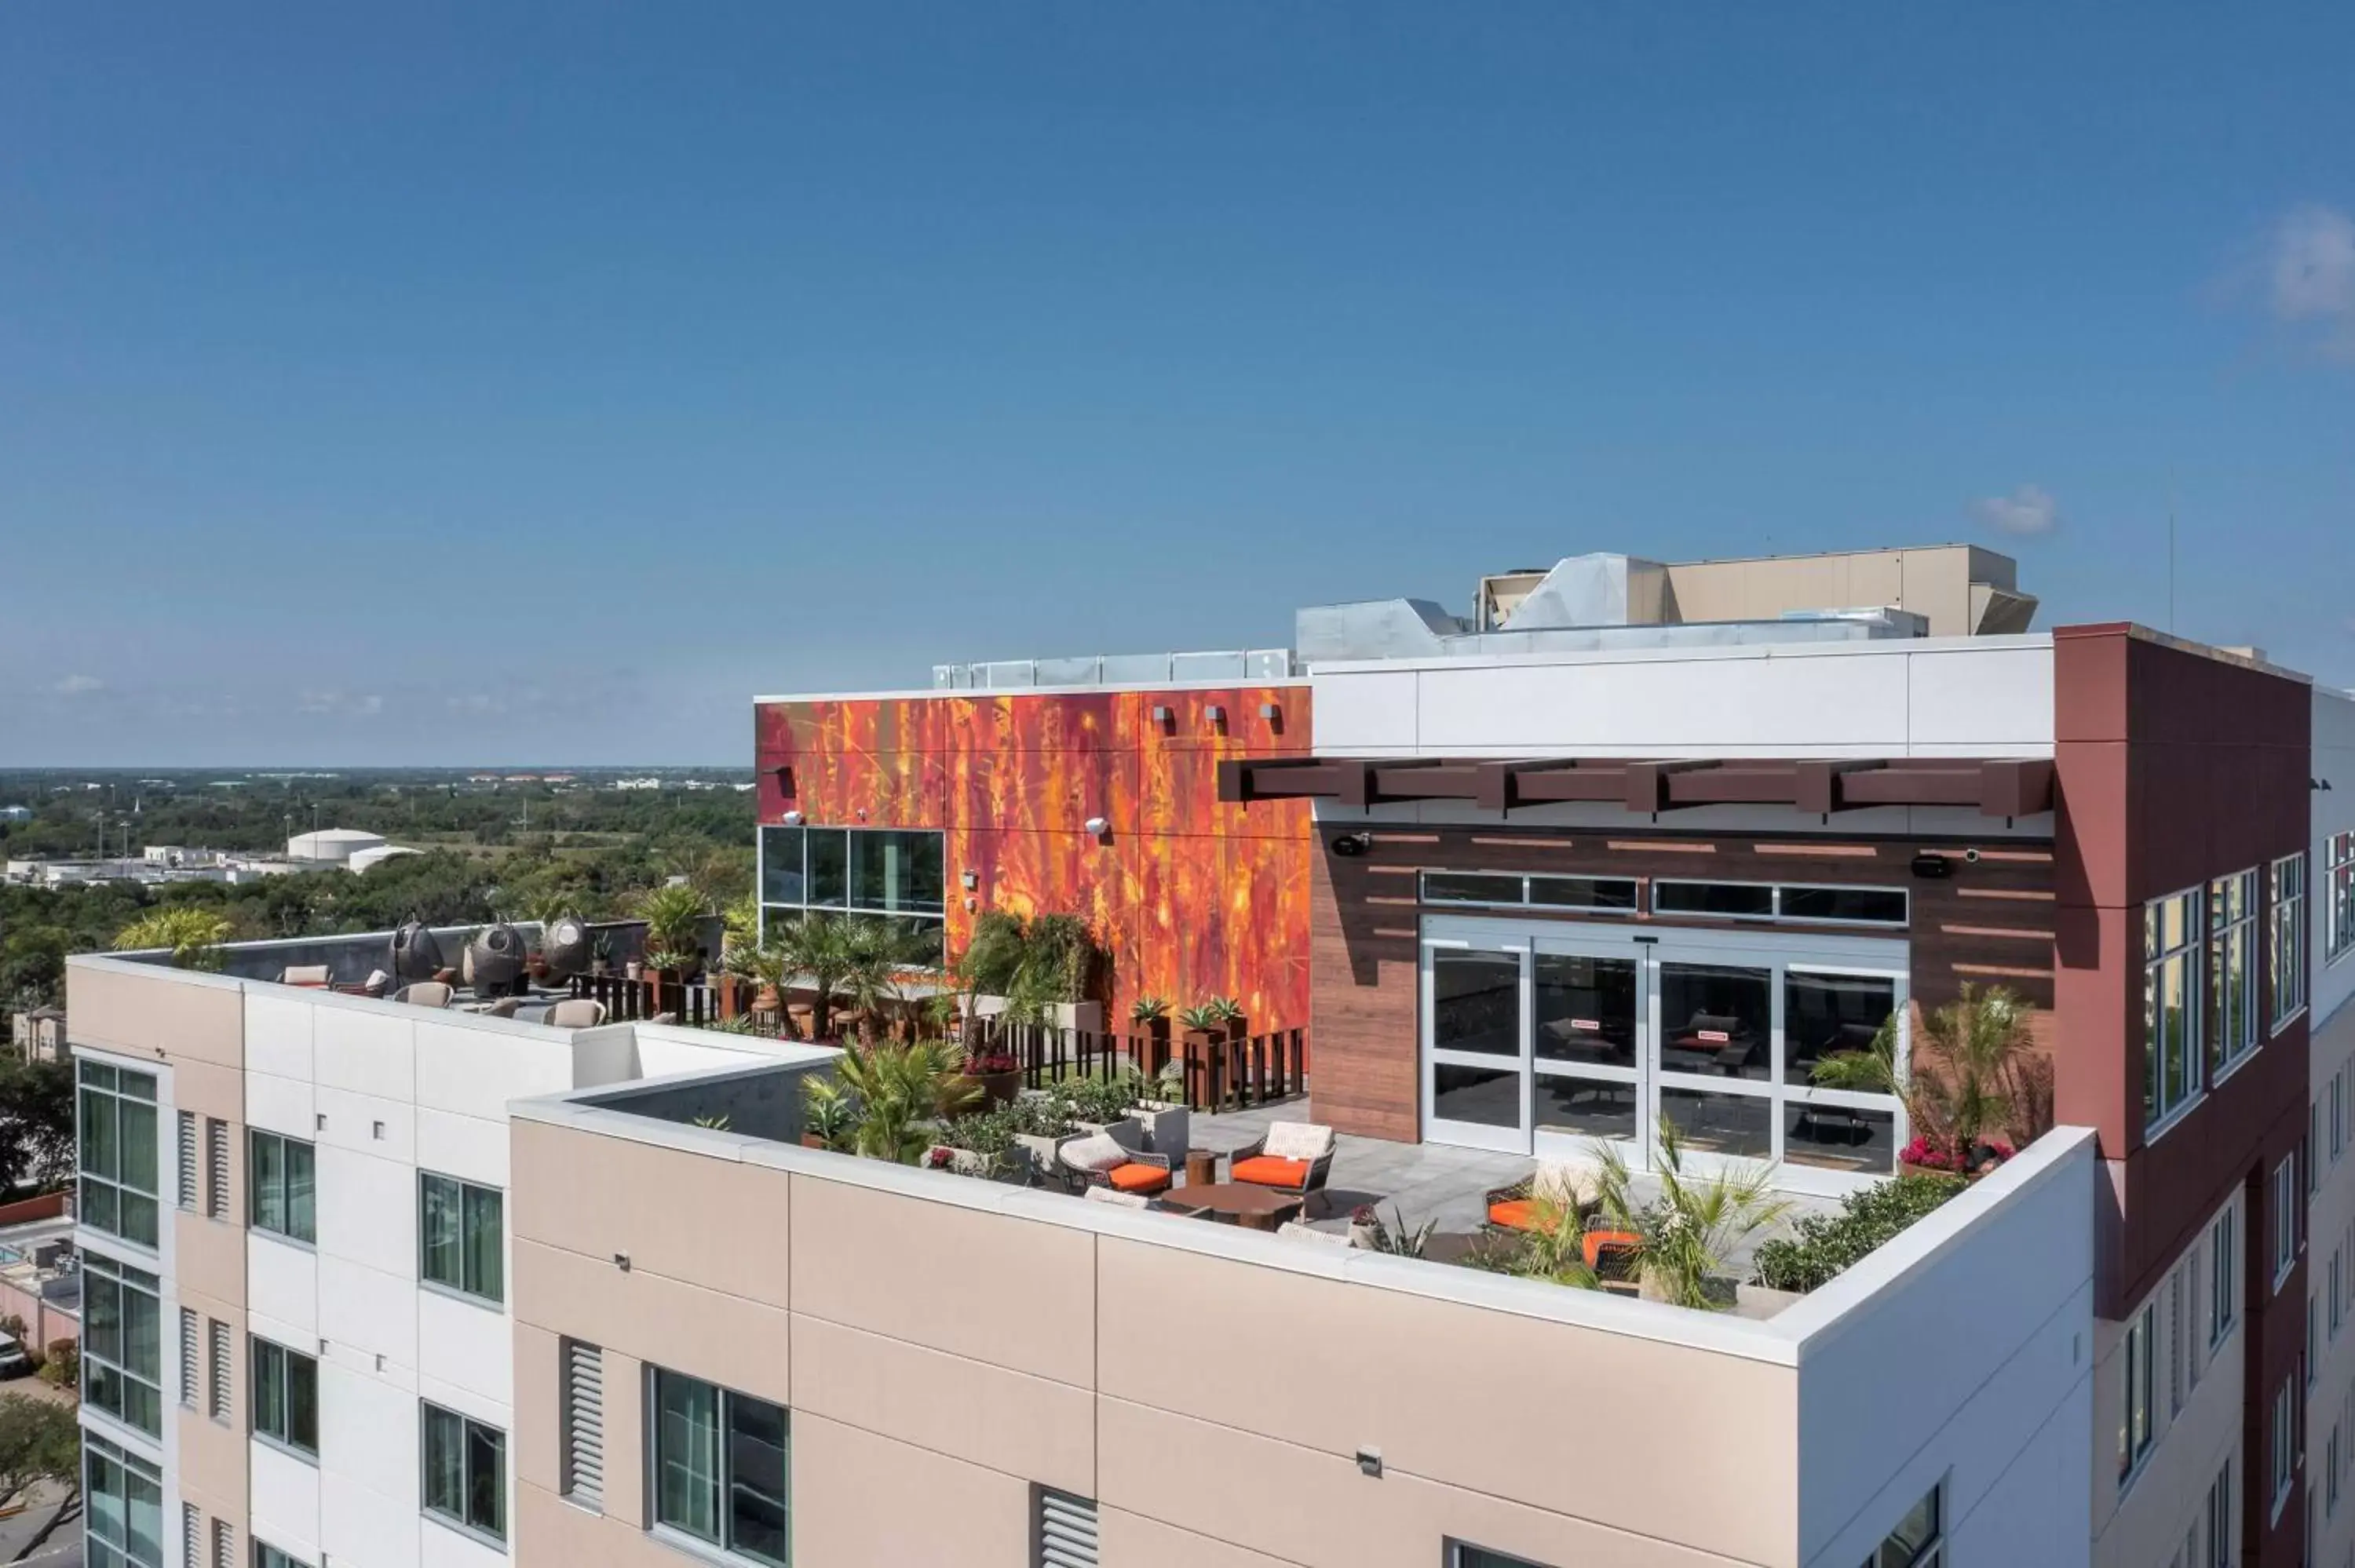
[
  {"x": 1066, "y": 1531},
  {"x": 224, "y": 1544},
  {"x": 191, "y": 1364},
  {"x": 584, "y": 1423},
  {"x": 217, "y": 1168},
  {"x": 188, "y": 1161},
  {"x": 189, "y": 1528},
  {"x": 219, "y": 1402}
]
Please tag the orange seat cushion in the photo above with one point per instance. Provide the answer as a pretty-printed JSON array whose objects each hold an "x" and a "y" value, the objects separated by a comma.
[
  {"x": 1266, "y": 1171},
  {"x": 1516, "y": 1214},
  {"x": 1134, "y": 1178},
  {"x": 1597, "y": 1242}
]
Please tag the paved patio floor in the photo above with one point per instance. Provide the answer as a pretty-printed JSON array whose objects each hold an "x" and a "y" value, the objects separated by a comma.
[{"x": 1425, "y": 1181}]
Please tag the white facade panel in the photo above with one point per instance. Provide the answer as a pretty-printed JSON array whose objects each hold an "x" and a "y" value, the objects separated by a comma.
[
  {"x": 2333, "y": 812},
  {"x": 371, "y": 1312},
  {"x": 279, "y": 1105},
  {"x": 278, "y": 1034},
  {"x": 465, "y": 1345},
  {"x": 366, "y": 1124},
  {"x": 475, "y": 1072},
  {"x": 285, "y": 1500},
  {"x": 362, "y": 1527},
  {"x": 369, "y": 1497},
  {"x": 282, "y": 1283},
  {"x": 1366, "y": 711},
  {"x": 1980, "y": 702},
  {"x": 367, "y": 1210},
  {"x": 467, "y": 1400},
  {"x": 441, "y": 1546},
  {"x": 462, "y": 1145},
  {"x": 366, "y": 1047}
]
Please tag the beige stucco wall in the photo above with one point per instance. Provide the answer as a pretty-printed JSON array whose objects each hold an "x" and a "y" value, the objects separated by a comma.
[
  {"x": 955, "y": 1357},
  {"x": 1934, "y": 581}
]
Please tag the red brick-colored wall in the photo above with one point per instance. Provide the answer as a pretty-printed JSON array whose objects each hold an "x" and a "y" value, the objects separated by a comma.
[{"x": 1190, "y": 897}]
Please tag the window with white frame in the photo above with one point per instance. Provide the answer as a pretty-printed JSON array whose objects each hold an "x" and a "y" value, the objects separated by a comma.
[
  {"x": 117, "y": 1151},
  {"x": 2337, "y": 1115},
  {"x": 2217, "y": 1517},
  {"x": 122, "y": 1343},
  {"x": 281, "y": 1185},
  {"x": 2286, "y": 1207},
  {"x": 2283, "y": 1456},
  {"x": 2330, "y": 1472},
  {"x": 268, "y": 1556},
  {"x": 2285, "y": 948},
  {"x": 2232, "y": 970},
  {"x": 1920, "y": 1539},
  {"x": 461, "y": 1236},
  {"x": 2136, "y": 1427},
  {"x": 123, "y": 1497},
  {"x": 721, "y": 1467},
  {"x": 1460, "y": 1554},
  {"x": 465, "y": 1472},
  {"x": 2170, "y": 1006},
  {"x": 2338, "y": 896},
  {"x": 285, "y": 1407},
  {"x": 2224, "y": 1250},
  {"x": 2338, "y": 1309}
]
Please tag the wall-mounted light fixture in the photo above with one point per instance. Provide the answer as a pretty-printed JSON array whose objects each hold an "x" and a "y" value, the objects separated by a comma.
[
  {"x": 1097, "y": 827},
  {"x": 972, "y": 879},
  {"x": 1369, "y": 1462},
  {"x": 1353, "y": 843},
  {"x": 1932, "y": 867},
  {"x": 1216, "y": 715},
  {"x": 792, "y": 818},
  {"x": 1162, "y": 715}
]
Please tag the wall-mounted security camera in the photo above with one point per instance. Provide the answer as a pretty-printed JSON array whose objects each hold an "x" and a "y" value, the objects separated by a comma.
[
  {"x": 1353, "y": 843},
  {"x": 1932, "y": 867},
  {"x": 792, "y": 818},
  {"x": 1972, "y": 856},
  {"x": 1097, "y": 827}
]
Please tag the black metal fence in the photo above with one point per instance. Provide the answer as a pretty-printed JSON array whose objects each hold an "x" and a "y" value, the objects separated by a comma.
[{"x": 1218, "y": 1073}]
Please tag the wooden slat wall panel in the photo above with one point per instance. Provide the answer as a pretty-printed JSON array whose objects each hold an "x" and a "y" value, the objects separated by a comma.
[{"x": 1990, "y": 923}]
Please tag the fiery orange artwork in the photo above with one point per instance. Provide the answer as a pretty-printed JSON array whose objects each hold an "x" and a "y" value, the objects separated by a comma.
[{"x": 1191, "y": 897}]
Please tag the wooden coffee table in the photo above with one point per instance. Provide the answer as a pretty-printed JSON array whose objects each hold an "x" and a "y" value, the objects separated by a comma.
[{"x": 1236, "y": 1203}]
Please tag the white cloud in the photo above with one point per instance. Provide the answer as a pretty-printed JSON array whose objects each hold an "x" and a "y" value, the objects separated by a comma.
[
  {"x": 80, "y": 686},
  {"x": 2027, "y": 512},
  {"x": 2310, "y": 276},
  {"x": 361, "y": 705}
]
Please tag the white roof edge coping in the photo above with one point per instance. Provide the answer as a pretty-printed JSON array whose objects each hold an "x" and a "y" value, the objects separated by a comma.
[
  {"x": 2024, "y": 641},
  {"x": 125, "y": 964},
  {"x": 1818, "y": 1317},
  {"x": 1747, "y": 1338},
  {"x": 1233, "y": 684}
]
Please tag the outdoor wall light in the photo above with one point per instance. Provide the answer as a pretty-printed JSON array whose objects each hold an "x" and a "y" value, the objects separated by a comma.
[
  {"x": 1216, "y": 714},
  {"x": 792, "y": 818},
  {"x": 1934, "y": 867},
  {"x": 1353, "y": 843},
  {"x": 1270, "y": 712},
  {"x": 972, "y": 879},
  {"x": 1369, "y": 1462},
  {"x": 1097, "y": 827},
  {"x": 1162, "y": 715}
]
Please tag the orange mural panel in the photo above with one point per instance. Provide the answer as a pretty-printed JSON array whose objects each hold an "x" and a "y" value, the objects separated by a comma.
[{"x": 1189, "y": 897}]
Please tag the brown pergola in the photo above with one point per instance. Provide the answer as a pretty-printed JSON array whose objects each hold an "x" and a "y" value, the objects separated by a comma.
[{"x": 1995, "y": 786}]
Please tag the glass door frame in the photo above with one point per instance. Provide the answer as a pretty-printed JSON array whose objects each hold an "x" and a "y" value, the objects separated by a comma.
[
  {"x": 1494, "y": 939},
  {"x": 1780, "y": 954}
]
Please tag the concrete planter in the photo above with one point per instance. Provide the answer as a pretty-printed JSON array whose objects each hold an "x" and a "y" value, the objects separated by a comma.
[{"x": 1167, "y": 1128}]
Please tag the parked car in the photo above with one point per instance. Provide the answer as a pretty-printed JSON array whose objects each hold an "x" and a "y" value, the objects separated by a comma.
[{"x": 14, "y": 1361}]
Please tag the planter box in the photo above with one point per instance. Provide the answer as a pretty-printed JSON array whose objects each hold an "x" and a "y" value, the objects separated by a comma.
[
  {"x": 1166, "y": 1130},
  {"x": 1041, "y": 1153},
  {"x": 997, "y": 1088},
  {"x": 1087, "y": 1016}
]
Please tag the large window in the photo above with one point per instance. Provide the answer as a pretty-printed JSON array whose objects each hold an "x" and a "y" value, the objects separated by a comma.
[
  {"x": 268, "y": 1556},
  {"x": 282, "y": 1186},
  {"x": 122, "y": 1343},
  {"x": 1594, "y": 895},
  {"x": 861, "y": 871},
  {"x": 2134, "y": 1425},
  {"x": 285, "y": 1396},
  {"x": 118, "y": 1151},
  {"x": 124, "y": 1495},
  {"x": 2286, "y": 952},
  {"x": 1920, "y": 1539},
  {"x": 721, "y": 1468},
  {"x": 2283, "y": 1445},
  {"x": 2286, "y": 1207},
  {"x": 461, "y": 1236},
  {"x": 2339, "y": 895},
  {"x": 466, "y": 1472},
  {"x": 2224, "y": 1276},
  {"x": 1763, "y": 901},
  {"x": 2232, "y": 970},
  {"x": 2171, "y": 940},
  {"x": 2216, "y": 1519}
]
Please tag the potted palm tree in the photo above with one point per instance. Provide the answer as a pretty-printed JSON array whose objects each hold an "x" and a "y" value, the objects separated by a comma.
[
  {"x": 903, "y": 1090},
  {"x": 1974, "y": 1073},
  {"x": 811, "y": 950},
  {"x": 1682, "y": 1244}
]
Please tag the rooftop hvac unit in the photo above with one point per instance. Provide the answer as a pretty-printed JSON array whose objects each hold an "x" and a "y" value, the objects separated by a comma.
[{"x": 416, "y": 955}]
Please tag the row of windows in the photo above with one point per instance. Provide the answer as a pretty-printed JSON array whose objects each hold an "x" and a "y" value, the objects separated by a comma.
[
  {"x": 874, "y": 871},
  {"x": 117, "y": 1147},
  {"x": 2172, "y": 1337},
  {"x": 2339, "y": 895},
  {"x": 2202, "y": 1005},
  {"x": 1713, "y": 900}
]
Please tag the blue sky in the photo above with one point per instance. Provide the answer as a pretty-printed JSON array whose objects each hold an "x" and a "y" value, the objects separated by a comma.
[{"x": 477, "y": 382}]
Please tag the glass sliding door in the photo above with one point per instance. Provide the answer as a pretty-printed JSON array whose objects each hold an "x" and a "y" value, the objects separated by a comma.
[
  {"x": 1475, "y": 1056},
  {"x": 1587, "y": 1024}
]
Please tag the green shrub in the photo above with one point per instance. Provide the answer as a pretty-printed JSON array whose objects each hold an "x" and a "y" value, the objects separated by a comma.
[
  {"x": 1821, "y": 1245},
  {"x": 63, "y": 1365}
]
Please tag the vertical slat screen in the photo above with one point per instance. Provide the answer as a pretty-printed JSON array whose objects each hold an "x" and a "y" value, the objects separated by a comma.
[
  {"x": 222, "y": 1369},
  {"x": 187, "y": 1193},
  {"x": 584, "y": 1423},
  {"x": 224, "y": 1544},
  {"x": 190, "y": 1535},
  {"x": 191, "y": 1359},
  {"x": 217, "y": 1168}
]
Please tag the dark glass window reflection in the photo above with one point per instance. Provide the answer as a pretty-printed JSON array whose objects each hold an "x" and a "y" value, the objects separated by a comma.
[
  {"x": 829, "y": 868},
  {"x": 1587, "y": 1009},
  {"x": 1717, "y": 1020},
  {"x": 1469, "y": 887},
  {"x": 1475, "y": 1001},
  {"x": 1582, "y": 892},
  {"x": 1726, "y": 900},
  {"x": 1824, "y": 1015},
  {"x": 1486, "y": 1096},
  {"x": 1722, "y": 1124},
  {"x": 1873, "y": 905},
  {"x": 780, "y": 865}
]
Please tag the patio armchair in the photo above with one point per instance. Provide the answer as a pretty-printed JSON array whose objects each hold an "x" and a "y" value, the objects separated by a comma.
[
  {"x": 1099, "y": 1159},
  {"x": 1521, "y": 1205},
  {"x": 1290, "y": 1157},
  {"x": 576, "y": 1013},
  {"x": 311, "y": 977},
  {"x": 425, "y": 993}
]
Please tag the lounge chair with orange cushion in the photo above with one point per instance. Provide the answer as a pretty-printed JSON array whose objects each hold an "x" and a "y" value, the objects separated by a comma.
[
  {"x": 1524, "y": 1205},
  {"x": 1292, "y": 1157},
  {"x": 1098, "y": 1159}
]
